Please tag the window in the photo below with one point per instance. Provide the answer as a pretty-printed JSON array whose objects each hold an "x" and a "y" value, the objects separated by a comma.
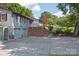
[
  {"x": 16, "y": 18},
  {"x": 17, "y": 28},
  {"x": 21, "y": 19},
  {"x": 23, "y": 28},
  {"x": 25, "y": 20},
  {"x": 3, "y": 17}
]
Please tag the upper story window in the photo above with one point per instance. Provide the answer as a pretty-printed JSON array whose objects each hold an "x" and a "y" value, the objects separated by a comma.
[
  {"x": 22, "y": 20},
  {"x": 17, "y": 19},
  {"x": 3, "y": 17}
]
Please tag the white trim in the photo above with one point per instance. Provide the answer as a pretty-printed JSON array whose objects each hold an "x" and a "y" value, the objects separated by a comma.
[
  {"x": 1, "y": 17},
  {"x": 3, "y": 32}
]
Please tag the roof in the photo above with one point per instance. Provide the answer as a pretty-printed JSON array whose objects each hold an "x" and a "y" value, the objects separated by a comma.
[
  {"x": 28, "y": 17},
  {"x": 31, "y": 18}
]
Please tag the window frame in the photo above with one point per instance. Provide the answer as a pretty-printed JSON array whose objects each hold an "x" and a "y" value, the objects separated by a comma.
[{"x": 3, "y": 17}]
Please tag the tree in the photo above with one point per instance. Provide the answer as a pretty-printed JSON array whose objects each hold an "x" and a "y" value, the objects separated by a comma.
[
  {"x": 15, "y": 7},
  {"x": 47, "y": 14},
  {"x": 72, "y": 8},
  {"x": 51, "y": 18},
  {"x": 65, "y": 22}
]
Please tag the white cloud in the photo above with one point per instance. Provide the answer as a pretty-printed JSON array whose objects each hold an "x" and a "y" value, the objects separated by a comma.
[
  {"x": 32, "y": 6},
  {"x": 59, "y": 14},
  {"x": 36, "y": 17},
  {"x": 36, "y": 8}
]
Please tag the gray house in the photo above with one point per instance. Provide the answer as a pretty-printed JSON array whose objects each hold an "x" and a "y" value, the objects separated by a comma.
[{"x": 13, "y": 25}]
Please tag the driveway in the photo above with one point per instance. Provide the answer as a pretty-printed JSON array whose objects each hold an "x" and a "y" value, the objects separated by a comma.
[{"x": 41, "y": 46}]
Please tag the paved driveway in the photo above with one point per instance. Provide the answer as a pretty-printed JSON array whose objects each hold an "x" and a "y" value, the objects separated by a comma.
[{"x": 36, "y": 46}]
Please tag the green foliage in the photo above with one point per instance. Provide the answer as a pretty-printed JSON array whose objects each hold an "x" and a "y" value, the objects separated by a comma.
[
  {"x": 59, "y": 30},
  {"x": 65, "y": 30},
  {"x": 66, "y": 21},
  {"x": 51, "y": 18},
  {"x": 72, "y": 8},
  {"x": 68, "y": 30},
  {"x": 46, "y": 14},
  {"x": 61, "y": 24},
  {"x": 62, "y": 7},
  {"x": 15, "y": 7}
]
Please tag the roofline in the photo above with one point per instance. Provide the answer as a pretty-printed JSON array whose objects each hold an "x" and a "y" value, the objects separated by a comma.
[
  {"x": 18, "y": 13},
  {"x": 23, "y": 15}
]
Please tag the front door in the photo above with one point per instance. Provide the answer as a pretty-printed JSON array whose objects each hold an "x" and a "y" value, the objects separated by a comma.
[{"x": 6, "y": 34}]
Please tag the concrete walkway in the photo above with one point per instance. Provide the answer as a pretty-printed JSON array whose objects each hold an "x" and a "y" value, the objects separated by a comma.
[{"x": 41, "y": 46}]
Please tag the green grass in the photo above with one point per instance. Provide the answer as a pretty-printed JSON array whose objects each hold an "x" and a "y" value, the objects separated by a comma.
[{"x": 55, "y": 54}]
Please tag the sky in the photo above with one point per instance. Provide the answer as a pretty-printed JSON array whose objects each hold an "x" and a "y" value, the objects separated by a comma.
[
  {"x": 38, "y": 8},
  {"x": 50, "y": 7}
]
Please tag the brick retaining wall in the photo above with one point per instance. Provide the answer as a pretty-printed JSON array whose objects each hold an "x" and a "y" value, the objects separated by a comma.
[{"x": 37, "y": 31}]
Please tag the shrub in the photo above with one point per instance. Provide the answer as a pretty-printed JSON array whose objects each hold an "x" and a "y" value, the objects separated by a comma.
[
  {"x": 59, "y": 30},
  {"x": 69, "y": 30},
  {"x": 63, "y": 30}
]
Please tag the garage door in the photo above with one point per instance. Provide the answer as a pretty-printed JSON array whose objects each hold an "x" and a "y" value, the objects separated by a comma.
[{"x": 6, "y": 34}]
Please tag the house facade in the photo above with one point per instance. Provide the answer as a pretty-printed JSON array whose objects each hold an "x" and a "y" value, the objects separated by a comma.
[{"x": 13, "y": 25}]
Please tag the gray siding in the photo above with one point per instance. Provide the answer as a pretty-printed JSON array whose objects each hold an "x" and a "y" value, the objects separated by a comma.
[
  {"x": 20, "y": 27},
  {"x": 8, "y": 22}
]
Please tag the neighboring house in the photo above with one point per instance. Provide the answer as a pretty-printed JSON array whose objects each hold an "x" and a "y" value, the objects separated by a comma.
[{"x": 13, "y": 25}]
